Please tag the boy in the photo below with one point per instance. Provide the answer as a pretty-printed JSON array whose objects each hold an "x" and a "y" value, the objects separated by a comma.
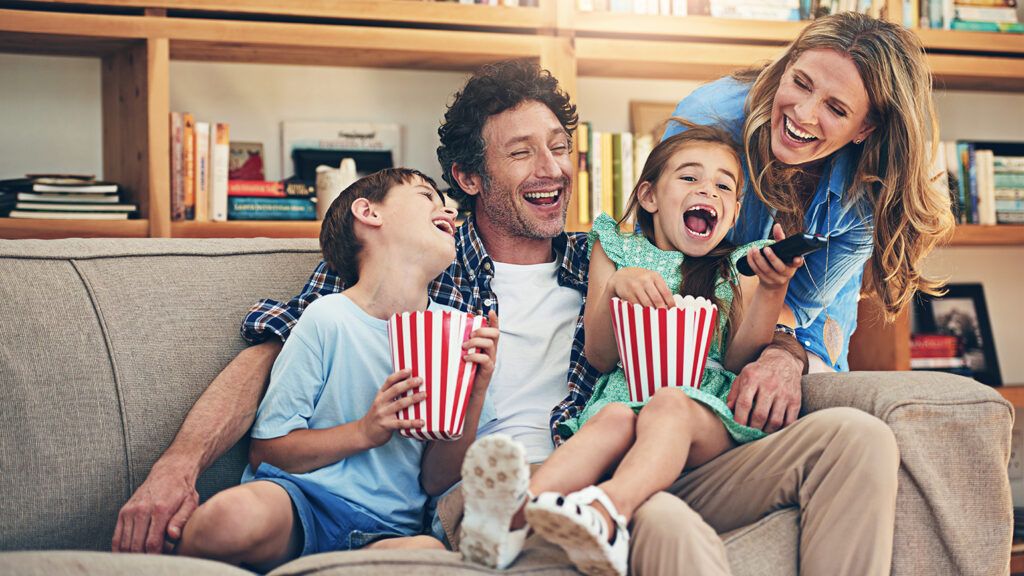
[{"x": 326, "y": 471}]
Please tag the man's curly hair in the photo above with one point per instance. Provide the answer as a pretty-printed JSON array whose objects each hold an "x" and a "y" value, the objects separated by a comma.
[{"x": 494, "y": 89}]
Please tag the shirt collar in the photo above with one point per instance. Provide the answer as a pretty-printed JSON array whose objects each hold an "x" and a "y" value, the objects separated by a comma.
[{"x": 473, "y": 257}]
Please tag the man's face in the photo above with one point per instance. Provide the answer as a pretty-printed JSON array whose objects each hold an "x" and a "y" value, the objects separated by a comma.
[{"x": 528, "y": 180}]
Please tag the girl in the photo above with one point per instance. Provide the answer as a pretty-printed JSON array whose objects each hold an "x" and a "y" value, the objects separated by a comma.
[{"x": 686, "y": 202}]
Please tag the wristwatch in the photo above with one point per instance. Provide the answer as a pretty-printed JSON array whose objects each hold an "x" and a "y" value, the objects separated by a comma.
[{"x": 785, "y": 329}]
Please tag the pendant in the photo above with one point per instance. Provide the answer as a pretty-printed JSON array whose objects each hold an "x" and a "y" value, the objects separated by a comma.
[{"x": 833, "y": 338}]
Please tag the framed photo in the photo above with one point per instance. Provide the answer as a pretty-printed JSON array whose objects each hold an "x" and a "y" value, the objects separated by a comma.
[{"x": 962, "y": 313}]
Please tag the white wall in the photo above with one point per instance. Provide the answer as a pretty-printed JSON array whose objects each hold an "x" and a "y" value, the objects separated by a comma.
[{"x": 51, "y": 119}]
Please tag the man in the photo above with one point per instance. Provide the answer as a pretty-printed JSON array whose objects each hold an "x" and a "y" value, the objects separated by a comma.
[{"x": 505, "y": 152}]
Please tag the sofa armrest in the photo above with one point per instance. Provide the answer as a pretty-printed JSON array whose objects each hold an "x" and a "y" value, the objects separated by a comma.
[{"x": 954, "y": 511}]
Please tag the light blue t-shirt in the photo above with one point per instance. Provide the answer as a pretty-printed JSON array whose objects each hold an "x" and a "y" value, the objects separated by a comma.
[
  {"x": 328, "y": 373},
  {"x": 849, "y": 226}
]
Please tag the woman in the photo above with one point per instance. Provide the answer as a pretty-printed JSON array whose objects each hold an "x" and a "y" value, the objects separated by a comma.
[{"x": 837, "y": 135}]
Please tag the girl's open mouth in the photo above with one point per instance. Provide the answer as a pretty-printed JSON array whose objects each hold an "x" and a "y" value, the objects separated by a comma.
[{"x": 700, "y": 221}]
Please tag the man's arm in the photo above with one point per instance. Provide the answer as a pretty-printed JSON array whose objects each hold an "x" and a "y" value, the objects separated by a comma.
[{"x": 163, "y": 503}]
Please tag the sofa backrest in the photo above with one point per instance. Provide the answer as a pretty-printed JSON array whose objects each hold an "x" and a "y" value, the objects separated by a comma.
[{"x": 105, "y": 344}]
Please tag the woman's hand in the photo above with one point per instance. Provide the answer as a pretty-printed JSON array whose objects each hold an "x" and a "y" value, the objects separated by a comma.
[
  {"x": 640, "y": 286},
  {"x": 772, "y": 272}
]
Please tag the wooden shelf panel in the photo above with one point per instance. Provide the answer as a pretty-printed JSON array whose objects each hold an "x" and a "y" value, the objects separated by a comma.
[
  {"x": 977, "y": 235},
  {"x": 642, "y": 26},
  {"x": 18, "y": 228},
  {"x": 398, "y": 11},
  {"x": 977, "y": 72},
  {"x": 620, "y": 58},
  {"x": 957, "y": 40},
  {"x": 1014, "y": 394},
  {"x": 247, "y": 229}
]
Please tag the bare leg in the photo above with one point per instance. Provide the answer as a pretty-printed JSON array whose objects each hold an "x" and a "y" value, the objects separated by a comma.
[
  {"x": 249, "y": 524},
  {"x": 407, "y": 543},
  {"x": 673, "y": 432}
]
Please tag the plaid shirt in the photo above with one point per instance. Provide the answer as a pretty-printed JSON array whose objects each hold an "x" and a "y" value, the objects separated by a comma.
[{"x": 466, "y": 286}]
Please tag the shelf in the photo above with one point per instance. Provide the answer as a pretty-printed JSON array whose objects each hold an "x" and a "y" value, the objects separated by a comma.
[
  {"x": 397, "y": 11},
  {"x": 247, "y": 229},
  {"x": 704, "y": 27},
  {"x": 961, "y": 41},
  {"x": 977, "y": 235},
  {"x": 1013, "y": 393},
  {"x": 18, "y": 228},
  {"x": 621, "y": 58}
]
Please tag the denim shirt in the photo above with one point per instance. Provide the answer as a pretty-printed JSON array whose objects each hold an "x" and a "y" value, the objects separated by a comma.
[{"x": 849, "y": 226}]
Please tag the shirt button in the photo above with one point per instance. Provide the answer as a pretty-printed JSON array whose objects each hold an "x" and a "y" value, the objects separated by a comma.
[
  {"x": 807, "y": 342},
  {"x": 487, "y": 265},
  {"x": 488, "y": 302}
]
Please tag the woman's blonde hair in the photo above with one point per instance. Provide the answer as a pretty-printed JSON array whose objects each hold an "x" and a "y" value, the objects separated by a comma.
[{"x": 911, "y": 213}]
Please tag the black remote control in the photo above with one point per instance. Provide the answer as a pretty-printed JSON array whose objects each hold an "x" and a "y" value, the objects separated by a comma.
[{"x": 787, "y": 249}]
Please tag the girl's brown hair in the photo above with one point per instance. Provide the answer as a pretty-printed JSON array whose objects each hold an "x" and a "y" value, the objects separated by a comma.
[
  {"x": 911, "y": 214},
  {"x": 700, "y": 274}
]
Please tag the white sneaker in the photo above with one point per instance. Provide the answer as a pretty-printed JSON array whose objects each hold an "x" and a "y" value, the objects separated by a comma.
[
  {"x": 495, "y": 477},
  {"x": 577, "y": 527}
]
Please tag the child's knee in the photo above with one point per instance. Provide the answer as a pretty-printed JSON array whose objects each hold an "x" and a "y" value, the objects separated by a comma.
[
  {"x": 668, "y": 401},
  {"x": 229, "y": 523},
  {"x": 614, "y": 415}
]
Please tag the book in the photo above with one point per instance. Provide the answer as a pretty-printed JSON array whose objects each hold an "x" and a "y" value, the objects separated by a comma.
[
  {"x": 928, "y": 363},
  {"x": 57, "y": 207},
  {"x": 78, "y": 197},
  {"x": 596, "y": 168},
  {"x": 219, "y": 160},
  {"x": 240, "y": 208},
  {"x": 188, "y": 155},
  {"x": 582, "y": 174},
  {"x": 257, "y": 188},
  {"x": 42, "y": 184},
  {"x": 607, "y": 174},
  {"x": 50, "y": 215},
  {"x": 616, "y": 206},
  {"x": 202, "y": 173},
  {"x": 986, "y": 14},
  {"x": 627, "y": 171},
  {"x": 177, "y": 168}
]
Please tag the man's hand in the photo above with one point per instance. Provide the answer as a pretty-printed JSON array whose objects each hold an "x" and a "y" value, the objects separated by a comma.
[
  {"x": 766, "y": 394},
  {"x": 153, "y": 519},
  {"x": 640, "y": 286},
  {"x": 381, "y": 420}
]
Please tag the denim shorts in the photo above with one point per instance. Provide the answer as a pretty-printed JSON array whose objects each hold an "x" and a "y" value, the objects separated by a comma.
[{"x": 329, "y": 523}]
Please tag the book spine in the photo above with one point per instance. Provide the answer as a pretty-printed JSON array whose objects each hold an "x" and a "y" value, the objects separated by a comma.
[
  {"x": 202, "y": 148},
  {"x": 177, "y": 168},
  {"x": 983, "y": 14},
  {"x": 607, "y": 174},
  {"x": 271, "y": 209},
  {"x": 616, "y": 175},
  {"x": 1009, "y": 180},
  {"x": 220, "y": 155},
  {"x": 596, "y": 169},
  {"x": 188, "y": 156},
  {"x": 627, "y": 171},
  {"x": 250, "y": 188},
  {"x": 582, "y": 174}
]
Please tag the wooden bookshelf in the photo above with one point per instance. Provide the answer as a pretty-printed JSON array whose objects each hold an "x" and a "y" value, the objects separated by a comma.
[
  {"x": 17, "y": 228},
  {"x": 1014, "y": 393},
  {"x": 977, "y": 235},
  {"x": 609, "y": 24}
]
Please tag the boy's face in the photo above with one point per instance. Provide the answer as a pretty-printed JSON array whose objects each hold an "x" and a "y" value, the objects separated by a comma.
[
  {"x": 529, "y": 172},
  {"x": 417, "y": 219}
]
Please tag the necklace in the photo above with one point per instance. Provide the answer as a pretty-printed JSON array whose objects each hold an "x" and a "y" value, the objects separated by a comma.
[{"x": 832, "y": 333}]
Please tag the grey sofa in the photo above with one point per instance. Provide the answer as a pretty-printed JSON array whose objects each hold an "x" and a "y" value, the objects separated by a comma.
[{"x": 106, "y": 344}]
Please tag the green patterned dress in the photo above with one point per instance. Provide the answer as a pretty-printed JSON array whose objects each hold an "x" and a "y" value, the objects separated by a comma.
[{"x": 635, "y": 251}]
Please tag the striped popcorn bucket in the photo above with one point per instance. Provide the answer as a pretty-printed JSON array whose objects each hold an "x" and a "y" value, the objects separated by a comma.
[
  {"x": 661, "y": 347},
  {"x": 430, "y": 345}
]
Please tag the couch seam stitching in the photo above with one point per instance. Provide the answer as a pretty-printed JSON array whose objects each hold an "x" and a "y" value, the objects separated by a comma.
[{"x": 116, "y": 374}]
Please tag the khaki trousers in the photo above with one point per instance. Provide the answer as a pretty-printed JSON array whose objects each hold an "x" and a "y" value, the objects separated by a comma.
[{"x": 837, "y": 465}]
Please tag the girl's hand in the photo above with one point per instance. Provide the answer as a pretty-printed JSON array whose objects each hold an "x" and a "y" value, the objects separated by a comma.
[
  {"x": 381, "y": 420},
  {"x": 485, "y": 340},
  {"x": 772, "y": 272},
  {"x": 640, "y": 286}
]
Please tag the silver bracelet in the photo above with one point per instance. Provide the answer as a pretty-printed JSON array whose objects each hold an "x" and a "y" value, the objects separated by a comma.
[{"x": 785, "y": 329}]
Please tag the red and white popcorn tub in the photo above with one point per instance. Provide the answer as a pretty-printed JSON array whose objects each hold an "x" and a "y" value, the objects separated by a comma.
[
  {"x": 661, "y": 347},
  {"x": 430, "y": 345}
]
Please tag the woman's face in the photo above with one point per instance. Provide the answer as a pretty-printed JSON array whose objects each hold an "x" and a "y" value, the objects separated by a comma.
[{"x": 821, "y": 105}]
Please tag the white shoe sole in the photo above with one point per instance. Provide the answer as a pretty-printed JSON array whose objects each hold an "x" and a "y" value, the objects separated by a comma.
[
  {"x": 495, "y": 477},
  {"x": 582, "y": 547}
]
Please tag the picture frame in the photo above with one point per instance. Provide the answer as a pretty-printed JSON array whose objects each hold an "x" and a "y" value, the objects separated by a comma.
[{"x": 962, "y": 312}]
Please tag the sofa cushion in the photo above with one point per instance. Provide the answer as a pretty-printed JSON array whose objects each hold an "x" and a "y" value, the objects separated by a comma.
[
  {"x": 67, "y": 563},
  {"x": 105, "y": 346}
]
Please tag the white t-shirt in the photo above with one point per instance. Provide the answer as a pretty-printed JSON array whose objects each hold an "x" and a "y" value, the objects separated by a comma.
[{"x": 537, "y": 319}]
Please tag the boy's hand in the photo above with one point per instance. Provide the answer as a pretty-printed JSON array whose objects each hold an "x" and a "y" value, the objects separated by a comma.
[
  {"x": 641, "y": 286},
  {"x": 485, "y": 340},
  {"x": 772, "y": 272},
  {"x": 381, "y": 420}
]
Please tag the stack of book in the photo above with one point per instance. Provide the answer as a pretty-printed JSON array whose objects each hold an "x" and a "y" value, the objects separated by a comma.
[
  {"x": 975, "y": 15},
  {"x": 937, "y": 352},
  {"x": 986, "y": 180},
  {"x": 63, "y": 197},
  {"x": 263, "y": 200},
  {"x": 609, "y": 164},
  {"x": 199, "y": 169}
]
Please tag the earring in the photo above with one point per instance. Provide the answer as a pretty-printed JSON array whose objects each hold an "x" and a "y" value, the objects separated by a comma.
[{"x": 858, "y": 141}]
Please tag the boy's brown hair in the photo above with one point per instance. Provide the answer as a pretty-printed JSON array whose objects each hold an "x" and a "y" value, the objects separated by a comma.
[{"x": 338, "y": 241}]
